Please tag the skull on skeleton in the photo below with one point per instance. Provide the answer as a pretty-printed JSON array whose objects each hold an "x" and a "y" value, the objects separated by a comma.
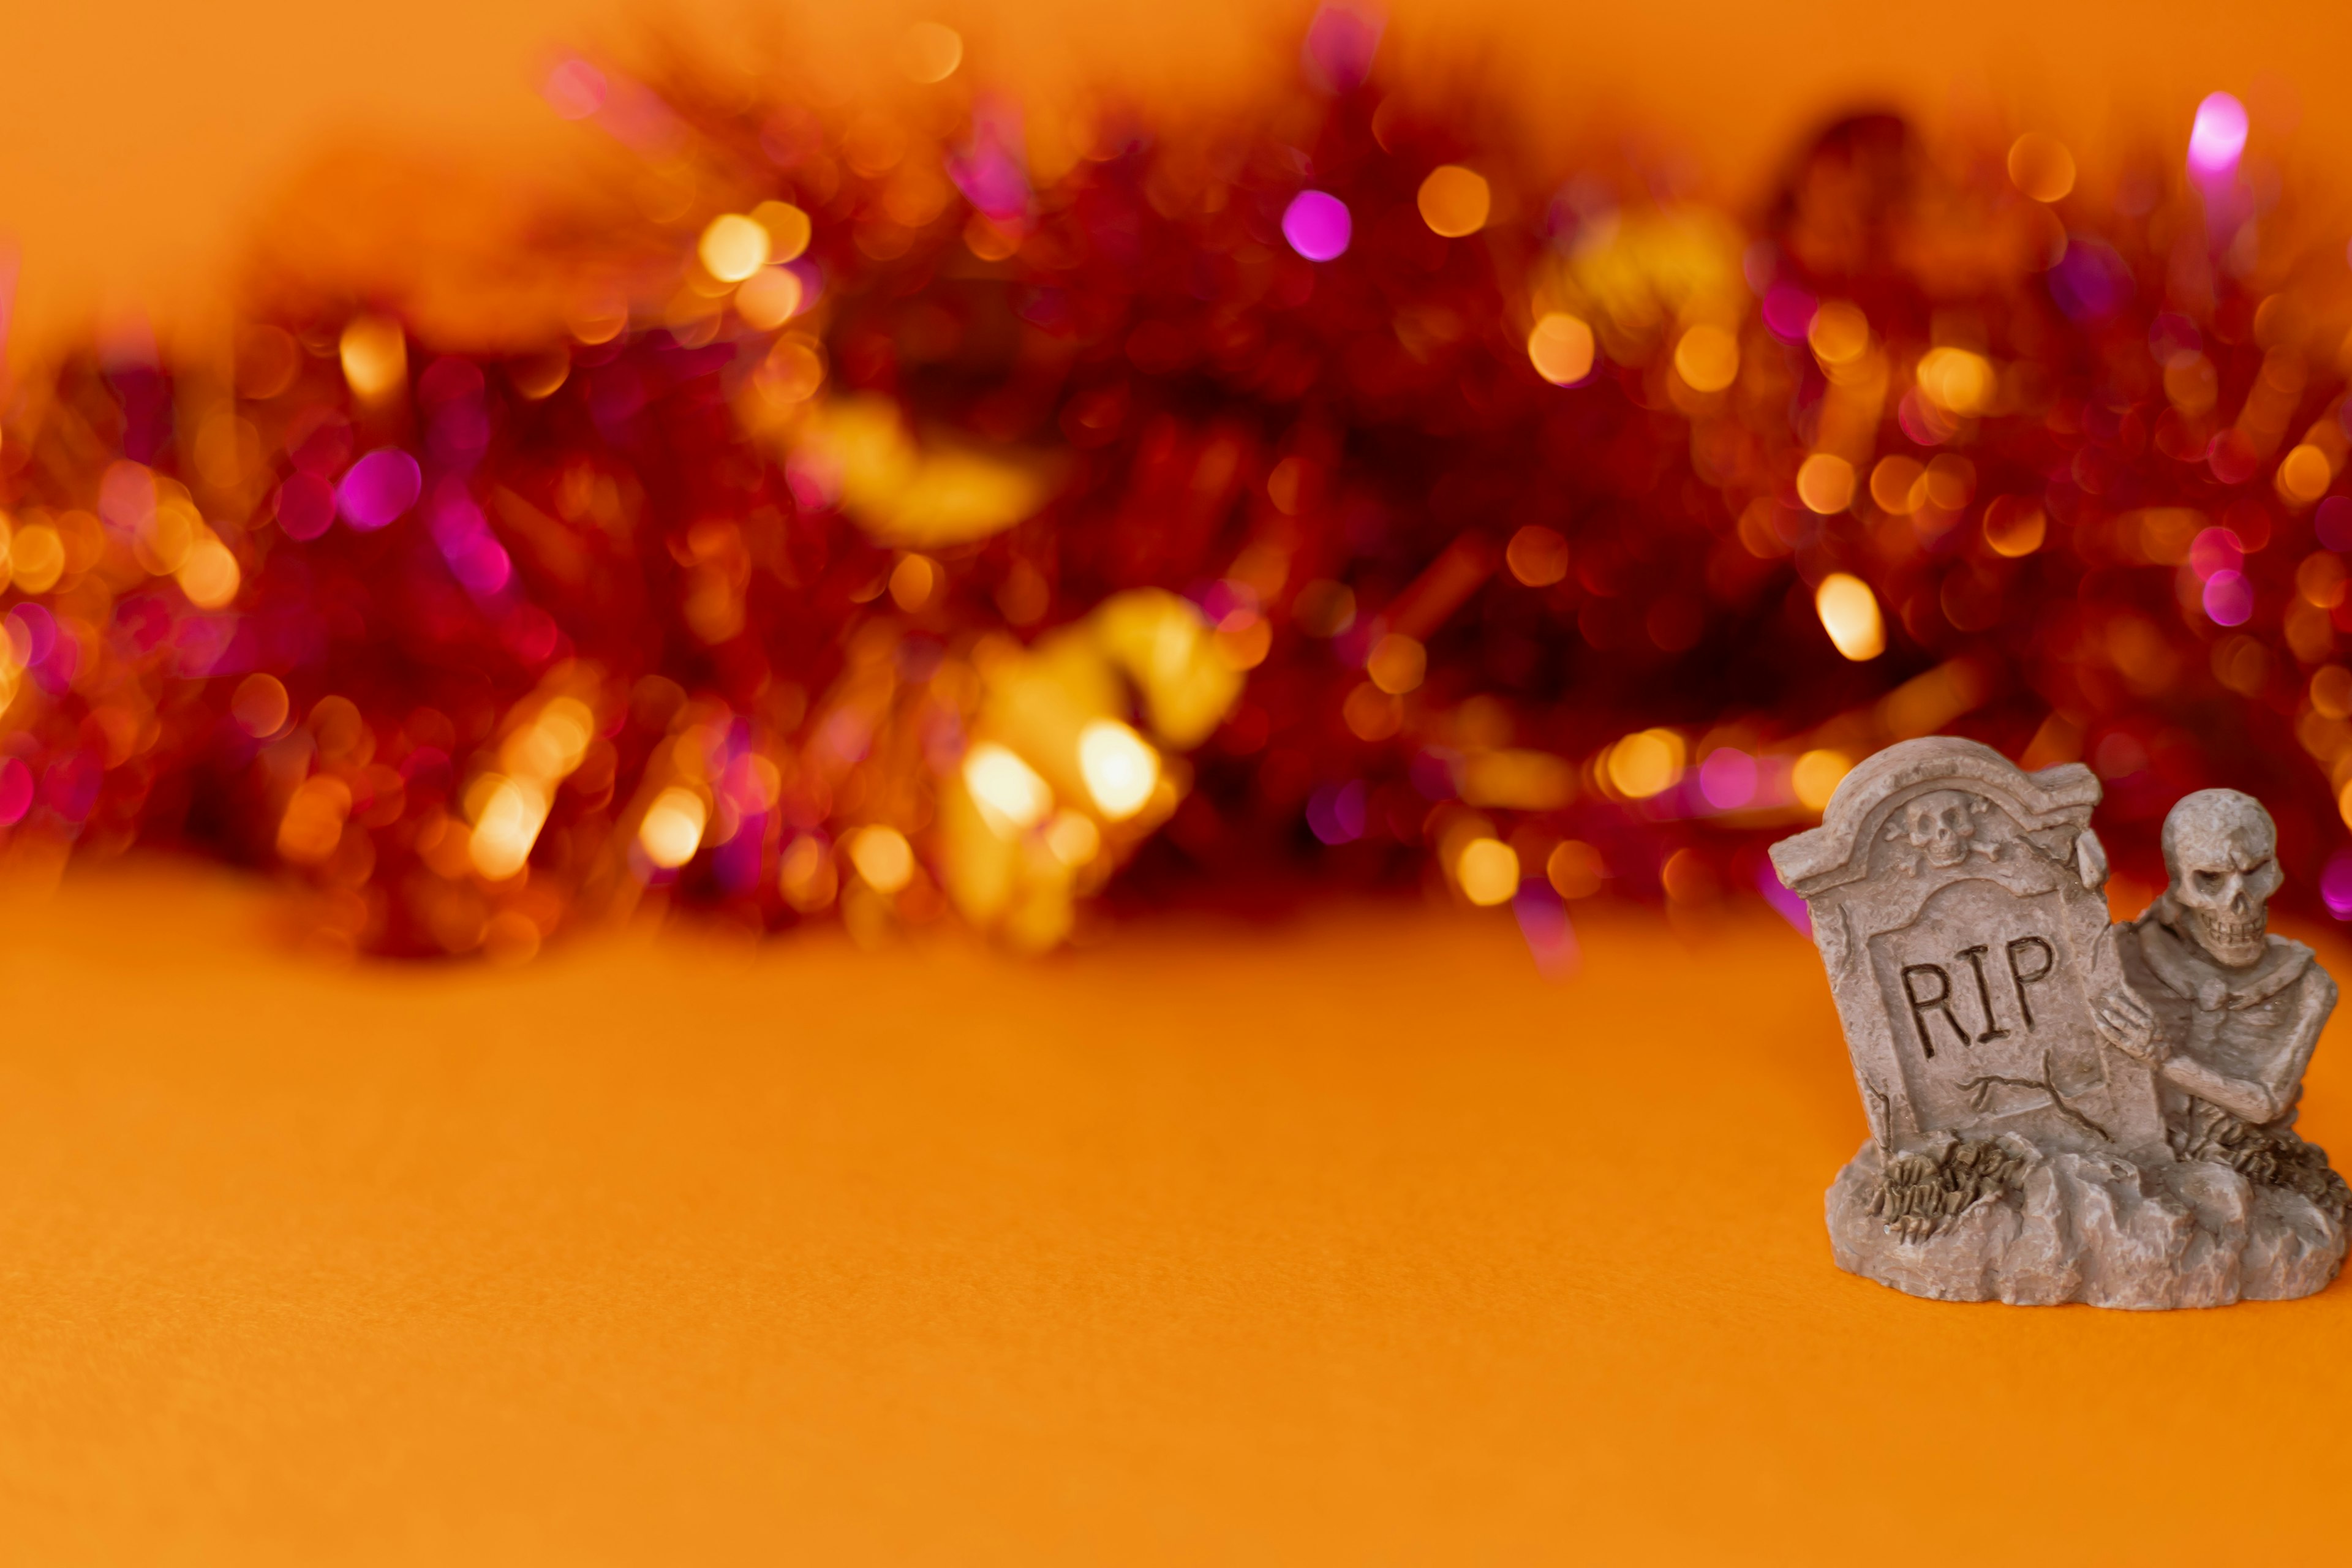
[
  {"x": 1943, "y": 824},
  {"x": 2221, "y": 850}
]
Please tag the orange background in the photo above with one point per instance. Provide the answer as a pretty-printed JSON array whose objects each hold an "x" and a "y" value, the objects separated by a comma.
[
  {"x": 140, "y": 139},
  {"x": 1350, "y": 1240}
]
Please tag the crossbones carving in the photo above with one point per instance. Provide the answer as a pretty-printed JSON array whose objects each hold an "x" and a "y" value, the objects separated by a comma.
[{"x": 1943, "y": 824}]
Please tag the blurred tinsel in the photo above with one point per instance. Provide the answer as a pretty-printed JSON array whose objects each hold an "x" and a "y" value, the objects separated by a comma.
[{"x": 911, "y": 526}]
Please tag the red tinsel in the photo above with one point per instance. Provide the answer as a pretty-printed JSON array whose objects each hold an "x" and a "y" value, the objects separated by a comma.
[{"x": 2080, "y": 450}]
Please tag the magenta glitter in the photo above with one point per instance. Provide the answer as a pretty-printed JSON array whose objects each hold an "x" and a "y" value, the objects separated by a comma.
[
  {"x": 2229, "y": 598},
  {"x": 305, "y": 505},
  {"x": 2335, "y": 885},
  {"x": 379, "y": 487},
  {"x": 2218, "y": 135},
  {"x": 1317, "y": 225},
  {"x": 15, "y": 791}
]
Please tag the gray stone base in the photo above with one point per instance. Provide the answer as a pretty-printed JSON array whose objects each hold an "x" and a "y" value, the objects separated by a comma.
[{"x": 2101, "y": 1229}]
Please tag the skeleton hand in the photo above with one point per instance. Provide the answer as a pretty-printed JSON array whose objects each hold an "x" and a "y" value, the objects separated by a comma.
[{"x": 2125, "y": 1022}]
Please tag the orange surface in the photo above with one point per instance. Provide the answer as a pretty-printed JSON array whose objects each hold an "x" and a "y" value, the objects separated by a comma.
[{"x": 1349, "y": 1240}]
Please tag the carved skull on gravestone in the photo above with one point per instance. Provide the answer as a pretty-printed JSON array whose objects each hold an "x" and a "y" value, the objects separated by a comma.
[
  {"x": 1943, "y": 823},
  {"x": 2221, "y": 850}
]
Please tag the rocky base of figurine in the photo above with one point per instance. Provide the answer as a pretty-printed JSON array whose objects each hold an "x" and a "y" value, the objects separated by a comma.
[{"x": 2044, "y": 1227}]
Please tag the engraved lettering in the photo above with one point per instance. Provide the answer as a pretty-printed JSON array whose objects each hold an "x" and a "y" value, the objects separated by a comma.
[
  {"x": 1993, "y": 1031},
  {"x": 1941, "y": 1002},
  {"x": 2020, "y": 979}
]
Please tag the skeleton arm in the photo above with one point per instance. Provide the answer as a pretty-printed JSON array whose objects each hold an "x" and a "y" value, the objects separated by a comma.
[
  {"x": 2246, "y": 1101},
  {"x": 2263, "y": 1102}
]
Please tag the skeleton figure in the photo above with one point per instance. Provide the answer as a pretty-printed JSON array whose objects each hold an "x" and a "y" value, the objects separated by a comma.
[
  {"x": 2226, "y": 1013},
  {"x": 1943, "y": 824}
]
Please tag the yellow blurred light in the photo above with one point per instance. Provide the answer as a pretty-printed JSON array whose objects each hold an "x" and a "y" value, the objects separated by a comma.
[
  {"x": 1849, "y": 613},
  {"x": 913, "y": 582},
  {"x": 2331, "y": 692},
  {"x": 2319, "y": 580},
  {"x": 1560, "y": 348},
  {"x": 2304, "y": 474},
  {"x": 1948, "y": 483},
  {"x": 883, "y": 858},
  {"x": 1707, "y": 359},
  {"x": 930, "y": 51},
  {"x": 990, "y": 241},
  {"x": 1516, "y": 779},
  {"x": 789, "y": 229},
  {"x": 2014, "y": 526},
  {"x": 313, "y": 823},
  {"x": 1119, "y": 766},
  {"x": 2191, "y": 383},
  {"x": 1488, "y": 871},
  {"x": 1957, "y": 381},
  {"x": 552, "y": 745},
  {"x": 36, "y": 558},
  {"x": 569, "y": 725},
  {"x": 1010, "y": 793},
  {"x": 1816, "y": 775},
  {"x": 1243, "y": 639},
  {"x": 769, "y": 298},
  {"x": 1893, "y": 482},
  {"x": 1647, "y": 763},
  {"x": 510, "y": 938},
  {"x": 1164, "y": 643},
  {"x": 1825, "y": 483},
  {"x": 209, "y": 574},
  {"x": 1372, "y": 714},
  {"x": 790, "y": 374},
  {"x": 1575, "y": 869},
  {"x": 733, "y": 247},
  {"x": 166, "y": 535},
  {"x": 507, "y": 821},
  {"x": 672, "y": 829},
  {"x": 260, "y": 706},
  {"x": 1537, "y": 556},
  {"x": 806, "y": 876},
  {"x": 375, "y": 357},
  {"x": 1073, "y": 838},
  {"x": 1839, "y": 334},
  {"x": 1455, "y": 201},
  {"x": 2040, "y": 166},
  {"x": 1397, "y": 664}
]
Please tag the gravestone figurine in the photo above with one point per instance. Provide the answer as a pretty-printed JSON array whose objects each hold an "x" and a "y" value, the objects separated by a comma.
[{"x": 2063, "y": 1109}]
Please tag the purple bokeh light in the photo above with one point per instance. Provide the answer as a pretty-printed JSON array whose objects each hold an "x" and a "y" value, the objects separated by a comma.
[
  {"x": 2335, "y": 885},
  {"x": 1336, "y": 815},
  {"x": 2215, "y": 549},
  {"x": 305, "y": 505},
  {"x": 2332, "y": 522},
  {"x": 574, "y": 89},
  {"x": 1317, "y": 225},
  {"x": 1788, "y": 312},
  {"x": 2218, "y": 135},
  {"x": 379, "y": 487},
  {"x": 1727, "y": 778},
  {"x": 2091, "y": 281},
  {"x": 2229, "y": 598},
  {"x": 15, "y": 791},
  {"x": 1341, "y": 43},
  {"x": 1551, "y": 935},
  {"x": 476, "y": 558}
]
